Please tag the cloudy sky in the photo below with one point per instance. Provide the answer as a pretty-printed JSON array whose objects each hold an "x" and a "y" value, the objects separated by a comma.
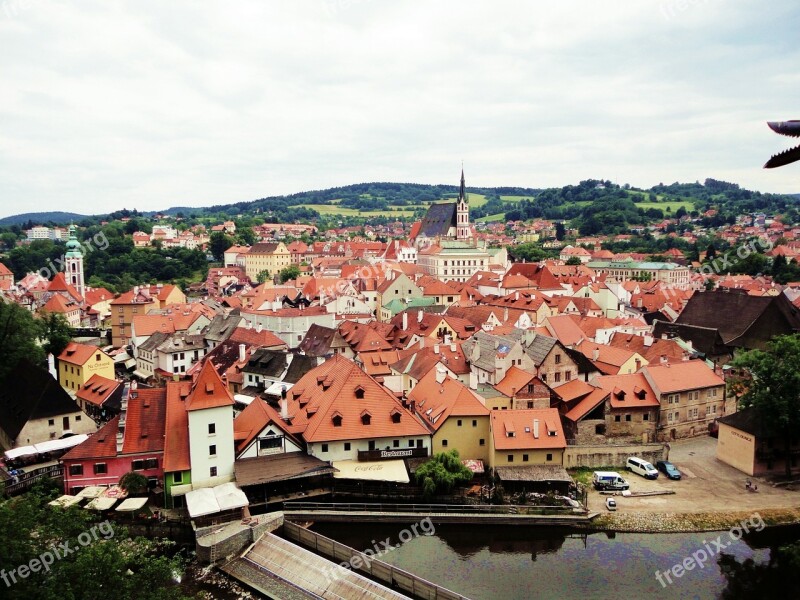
[{"x": 151, "y": 104}]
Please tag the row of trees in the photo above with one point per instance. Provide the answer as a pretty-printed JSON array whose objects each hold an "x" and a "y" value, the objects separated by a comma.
[{"x": 24, "y": 336}]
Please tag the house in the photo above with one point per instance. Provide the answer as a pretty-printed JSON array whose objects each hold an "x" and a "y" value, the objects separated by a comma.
[
  {"x": 6, "y": 278},
  {"x": 525, "y": 389},
  {"x": 691, "y": 395},
  {"x": 744, "y": 443},
  {"x": 611, "y": 360},
  {"x": 270, "y": 257},
  {"x": 553, "y": 362},
  {"x": 455, "y": 415},
  {"x": 490, "y": 357},
  {"x": 322, "y": 342},
  {"x": 34, "y": 409},
  {"x": 341, "y": 413},
  {"x": 399, "y": 288},
  {"x": 140, "y": 300},
  {"x": 742, "y": 321},
  {"x": 526, "y": 437},
  {"x": 100, "y": 398},
  {"x": 78, "y": 362},
  {"x": 133, "y": 441}
]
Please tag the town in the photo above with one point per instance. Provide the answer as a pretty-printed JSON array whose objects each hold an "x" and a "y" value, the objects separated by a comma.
[{"x": 312, "y": 369}]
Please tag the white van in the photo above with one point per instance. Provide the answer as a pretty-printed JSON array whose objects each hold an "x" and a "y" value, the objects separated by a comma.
[
  {"x": 609, "y": 480},
  {"x": 642, "y": 467}
]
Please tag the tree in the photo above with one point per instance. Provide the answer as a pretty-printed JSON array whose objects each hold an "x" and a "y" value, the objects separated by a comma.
[
  {"x": 573, "y": 261},
  {"x": 245, "y": 236},
  {"x": 773, "y": 388},
  {"x": 55, "y": 332},
  {"x": 133, "y": 483},
  {"x": 290, "y": 272},
  {"x": 218, "y": 243},
  {"x": 560, "y": 231},
  {"x": 18, "y": 334},
  {"x": 442, "y": 473},
  {"x": 263, "y": 276},
  {"x": 779, "y": 577},
  {"x": 105, "y": 560}
]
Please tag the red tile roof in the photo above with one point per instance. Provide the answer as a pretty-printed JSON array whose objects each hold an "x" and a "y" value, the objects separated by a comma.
[
  {"x": 513, "y": 429},
  {"x": 79, "y": 354},
  {"x": 629, "y": 391},
  {"x": 435, "y": 401},
  {"x": 97, "y": 389},
  {"x": 208, "y": 391},
  {"x": 145, "y": 421},
  {"x": 687, "y": 375},
  {"x": 176, "y": 440},
  {"x": 253, "y": 337}
]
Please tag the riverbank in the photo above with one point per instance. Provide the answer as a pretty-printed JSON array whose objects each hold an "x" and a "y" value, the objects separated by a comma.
[{"x": 651, "y": 522}]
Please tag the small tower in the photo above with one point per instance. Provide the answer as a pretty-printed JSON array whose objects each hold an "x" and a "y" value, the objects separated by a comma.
[
  {"x": 463, "y": 230},
  {"x": 73, "y": 262}
]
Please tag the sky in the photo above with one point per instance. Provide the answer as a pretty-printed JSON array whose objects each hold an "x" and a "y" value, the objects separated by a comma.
[{"x": 150, "y": 104}]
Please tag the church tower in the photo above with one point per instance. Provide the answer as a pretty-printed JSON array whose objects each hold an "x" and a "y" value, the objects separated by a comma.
[
  {"x": 73, "y": 262},
  {"x": 463, "y": 230}
]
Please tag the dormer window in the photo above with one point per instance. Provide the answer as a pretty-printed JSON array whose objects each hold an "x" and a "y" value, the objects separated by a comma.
[
  {"x": 359, "y": 392},
  {"x": 396, "y": 416},
  {"x": 337, "y": 420},
  {"x": 366, "y": 418}
]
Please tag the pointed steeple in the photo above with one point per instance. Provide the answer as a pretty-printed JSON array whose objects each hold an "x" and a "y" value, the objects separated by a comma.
[{"x": 462, "y": 192}]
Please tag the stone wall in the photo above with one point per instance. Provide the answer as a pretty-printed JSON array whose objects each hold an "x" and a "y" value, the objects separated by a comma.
[
  {"x": 611, "y": 455},
  {"x": 217, "y": 542}
]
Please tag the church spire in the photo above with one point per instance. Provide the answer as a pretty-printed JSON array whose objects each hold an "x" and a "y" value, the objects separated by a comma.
[
  {"x": 462, "y": 192},
  {"x": 463, "y": 229}
]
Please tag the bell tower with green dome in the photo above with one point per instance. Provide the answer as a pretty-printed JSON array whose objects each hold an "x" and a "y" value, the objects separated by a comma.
[{"x": 73, "y": 262}]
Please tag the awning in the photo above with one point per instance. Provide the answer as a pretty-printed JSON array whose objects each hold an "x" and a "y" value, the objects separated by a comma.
[
  {"x": 65, "y": 501},
  {"x": 130, "y": 363},
  {"x": 92, "y": 491},
  {"x": 279, "y": 467},
  {"x": 207, "y": 501},
  {"x": 21, "y": 451},
  {"x": 101, "y": 504},
  {"x": 122, "y": 357},
  {"x": 474, "y": 465},
  {"x": 180, "y": 490},
  {"x": 140, "y": 375},
  {"x": 243, "y": 399},
  {"x": 131, "y": 504},
  {"x": 385, "y": 470},
  {"x": 276, "y": 389},
  {"x": 63, "y": 444}
]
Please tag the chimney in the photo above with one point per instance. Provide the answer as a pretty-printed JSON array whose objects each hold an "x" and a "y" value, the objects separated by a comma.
[
  {"x": 453, "y": 347},
  {"x": 284, "y": 403},
  {"x": 258, "y": 327},
  {"x": 436, "y": 348},
  {"x": 536, "y": 429},
  {"x": 419, "y": 316},
  {"x": 51, "y": 366},
  {"x": 663, "y": 359},
  {"x": 648, "y": 341},
  {"x": 242, "y": 352},
  {"x": 516, "y": 296},
  {"x": 685, "y": 356},
  {"x": 441, "y": 374},
  {"x": 405, "y": 320},
  {"x": 595, "y": 353},
  {"x": 421, "y": 343},
  {"x": 638, "y": 364}
]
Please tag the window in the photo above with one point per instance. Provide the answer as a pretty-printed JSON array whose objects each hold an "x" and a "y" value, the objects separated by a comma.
[
  {"x": 474, "y": 422},
  {"x": 366, "y": 419},
  {"x": 694, "y": 396},
  {"x": 567, "y": 375},
  {"x": 713, "y": 409},
  {"x": 337, "y": 420},
  {"x": 212, "y": 472},
  {"x": 97, "y": 356},
  {"x": 212, "y": 428},
  {"x": 712, "y": 393},
  {"x": 458, "y": 422},
  {"x": 510, "y": 458},
  {"x": 646, "y": 417},
  {"x": 77, "y": 418},
  {"x": 673, "y": 398},
  {"x": 557, "y": 377},
  {"x": 212, "y": 450},
  {"x": 100, "y": 469},
  {"x": 549, "y": 457},
  {"x": 151, "y": 463},
  {"x": 51, "y": 422},
  {"x": 324, "y": 447},
  {"x": 347, "y": 446},
  {"x": 396, "y": 417},
  {"x": 271, "y": 442},
  {"x": 410, "y": 443},
  {"x": 558, "y": 359},
  {"x": 524, "y": 458},
  {"x": 482, "y": 442},
  {"x": 76, "y": 469},
  {"x": 617, "y": 418},
  {"x": 627, "y": 418},
  {"x": 694, "y": 413}
]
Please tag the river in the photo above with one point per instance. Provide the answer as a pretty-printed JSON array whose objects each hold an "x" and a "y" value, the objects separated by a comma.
[{"x": 523, "y": 563}]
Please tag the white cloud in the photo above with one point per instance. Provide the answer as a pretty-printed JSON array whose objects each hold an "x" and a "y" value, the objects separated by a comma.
[{"x": 152, "y": 104}]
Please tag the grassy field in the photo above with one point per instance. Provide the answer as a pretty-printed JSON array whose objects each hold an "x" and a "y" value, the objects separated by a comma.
[
  {"x": 333, "y": 209},
  {"x": 673, "y": 206},
  {"x": 515, "y": 198},
  {"x": 491, "y": 218}
]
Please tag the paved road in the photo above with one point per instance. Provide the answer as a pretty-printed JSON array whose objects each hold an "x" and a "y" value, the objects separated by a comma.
[{"x": 707, "y": 485}]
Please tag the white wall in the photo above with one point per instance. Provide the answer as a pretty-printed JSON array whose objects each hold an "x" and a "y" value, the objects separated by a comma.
[
  {"x": 200, "y": 440},
  {"x": 336, "y": 449}
]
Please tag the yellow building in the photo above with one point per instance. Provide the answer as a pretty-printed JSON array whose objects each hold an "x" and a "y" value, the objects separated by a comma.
[
  {"x": 78, "y": 362},
  {"x": 139, "y": 301},
  {"x": 272, "y": 257},
  {"x": 526, "y": 437},
  {"x": 455, "y": 415}
]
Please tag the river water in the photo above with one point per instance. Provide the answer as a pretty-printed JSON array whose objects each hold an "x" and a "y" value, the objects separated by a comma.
[{"x": 523, "y": 563}]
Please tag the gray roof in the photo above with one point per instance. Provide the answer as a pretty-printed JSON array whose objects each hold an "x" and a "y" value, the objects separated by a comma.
[
  {"x": 267, "y": 363},
  {"x": 438, "y": 220},
  {"x": 155, "y": 339},
  {"x": 221, "y": 327},
  {"x": 181, "y": 341},
  {"x": 488, "y": 346}
]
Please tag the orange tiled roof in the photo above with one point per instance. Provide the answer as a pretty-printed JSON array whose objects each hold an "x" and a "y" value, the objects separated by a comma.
[
  {"x": 97, "y": 389},
  {"x": 513, "y": 429},
  {"x": 435, "y": 401},
  {"x": 687, "y": 375},
  {"x": 514, "y": 382},
  {"x": 78, "y": 354},
  {"x": 208, "y": 391},
  {"x": 176, "y": 439}
]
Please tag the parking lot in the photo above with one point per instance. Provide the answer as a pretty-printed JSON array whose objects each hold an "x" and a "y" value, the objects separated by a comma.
[{"x": 707, "y": 485}]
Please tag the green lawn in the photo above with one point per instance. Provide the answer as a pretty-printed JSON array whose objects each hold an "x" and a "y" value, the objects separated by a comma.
[
  {"x": 515, "y": 198},
  {"x": 333, "y": 209},
  {"x": 490, "y": 218}
]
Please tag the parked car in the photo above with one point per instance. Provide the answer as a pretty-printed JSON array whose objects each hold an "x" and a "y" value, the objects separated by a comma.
[
  {"x": 641, "y": 467},
  {"x": 608, "y": 480},
  {"x": 668, "y": 469},
  {"x": 611, "y": 504}
]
